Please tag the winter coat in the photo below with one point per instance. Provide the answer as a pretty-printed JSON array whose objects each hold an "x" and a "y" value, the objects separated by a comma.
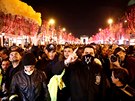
[{"x": 29, "y": 87}]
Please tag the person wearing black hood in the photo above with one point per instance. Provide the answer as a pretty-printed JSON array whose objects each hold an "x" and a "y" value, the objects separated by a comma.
[
  {"x": 29, "y": 84},
  {"x": 85, "y": 78}
]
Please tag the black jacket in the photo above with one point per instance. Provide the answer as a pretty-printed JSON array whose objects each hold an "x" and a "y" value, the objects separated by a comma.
[
  {"x": 29, "y": 87},
  {"x": 117, "y": 94},
  {"x": 64, "y": 94},
  {"x": 44, "y": 64},
  {"x": 87, "y": 82},
  {"x": 84, "y": 82},
  {"x": 47, "y": 65}
]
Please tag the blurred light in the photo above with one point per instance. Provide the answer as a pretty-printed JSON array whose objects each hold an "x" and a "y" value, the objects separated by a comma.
[
  {"x": 52, "y": 21},
  {"x": 100, "y": 29},
  {"x": 110, "y": 21},
  {"x": 64, "y": 29},
  {"x": 14, "y": 40},
  {"x": 125, "y": 21},
  {"x": 3, "y": 34}
]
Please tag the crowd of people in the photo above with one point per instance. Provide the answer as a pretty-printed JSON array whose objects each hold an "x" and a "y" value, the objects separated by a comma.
[{"x": 67, "y": 72}]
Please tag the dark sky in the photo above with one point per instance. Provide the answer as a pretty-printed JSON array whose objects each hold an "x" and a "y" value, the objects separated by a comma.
[{"x": 81, "y": 17}]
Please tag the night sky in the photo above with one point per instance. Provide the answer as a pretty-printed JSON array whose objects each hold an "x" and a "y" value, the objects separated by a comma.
[{"x": 80, "y": 17}]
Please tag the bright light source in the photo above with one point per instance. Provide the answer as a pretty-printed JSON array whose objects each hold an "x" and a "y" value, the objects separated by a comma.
[
  {"x": 125, "y": 21},
  {"x": 110, "y": 21},
  {"x": 51, "y": 21},
  {"x": 64, "y": 29},
  {"x": 3, "y": 34},
  {"x": 100, "y": 29}
]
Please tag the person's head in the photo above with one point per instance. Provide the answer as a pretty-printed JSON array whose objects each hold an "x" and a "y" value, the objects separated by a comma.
[
  {"x": 50, "y": 51},
  {"x": 4, "y": 53},
  {"x": 13, "y": 48},
  {"x": 120, "y": 51},
  {"x": 80, "y": 51},
  {"x": 14, "y": 56},
  {"x": 89, "y": 50},
  {"x": 67, "y": 51},
  {"x": 119, "y": 75},
  {"x": 130, "y": 50},
  {"x": 29, "y": 62},
  {"x": 94, "y": 45},
  {"x": 104, "y": 51},
  {"x": 5, "y": 64}
]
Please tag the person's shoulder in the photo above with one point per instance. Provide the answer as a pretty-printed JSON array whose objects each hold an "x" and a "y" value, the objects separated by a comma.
[
  {"x": 130, "y": 90},
  {"x": 40, "y": 72},
  {"x": 130, "y": 59},
  {"x": 19, "y": 73}
]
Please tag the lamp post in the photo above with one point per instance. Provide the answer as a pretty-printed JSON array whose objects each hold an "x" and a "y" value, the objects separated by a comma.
[
  {"x": 63, "y": 29},
  {"x": 2, "y": 39},
  {"x": 51, "y": 21},
  {"x": 51, "y": 24},
  {"x": 110, "y": 21},
  {"x": 101, "y": 35},
  {"x": 100, "y": 29},
  {"x": 62, "y": 34}
]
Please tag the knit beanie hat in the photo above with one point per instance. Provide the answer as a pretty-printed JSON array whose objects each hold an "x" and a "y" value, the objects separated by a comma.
[{"x": 28, "y": 59}]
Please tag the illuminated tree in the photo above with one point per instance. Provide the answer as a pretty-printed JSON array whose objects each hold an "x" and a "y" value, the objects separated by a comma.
[{"x": 130, "y": 15}]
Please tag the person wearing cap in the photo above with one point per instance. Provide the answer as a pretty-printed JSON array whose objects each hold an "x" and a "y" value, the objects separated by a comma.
[
  {"x": 29, "y": 84},
  {"x": 48, "y": 61},
  {"x": 48, "y": 58},
  {"x": 127, "y": 62}
]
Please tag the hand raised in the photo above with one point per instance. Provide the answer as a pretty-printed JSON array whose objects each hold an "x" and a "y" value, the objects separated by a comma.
[{"x": 36, "y": 39}]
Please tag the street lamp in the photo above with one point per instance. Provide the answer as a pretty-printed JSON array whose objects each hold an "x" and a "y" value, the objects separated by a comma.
[
  {"x": 51, "y": 21},
  {"x": 110, "y": 21},
  {"x": 63, "y": 29},
  {"x": 51, "y": 25},
  {"x": 2, "y": 39},
  {"x": 125, "y": 21},
  {"x": 100, "y": 29}
]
